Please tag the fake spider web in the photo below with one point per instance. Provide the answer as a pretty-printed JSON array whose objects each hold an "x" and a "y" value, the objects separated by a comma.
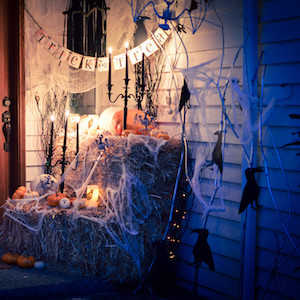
[{"x": 135, "y": 176}]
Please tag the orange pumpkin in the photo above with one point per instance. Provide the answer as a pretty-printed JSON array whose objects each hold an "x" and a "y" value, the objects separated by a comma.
[
  {"x": 19, "y": 192},
  {"x": 25, "y": 262},
  {"x": 10, "y": 259},
  {"x": 163, "y": 136},
  {"x": 53, "y": 200}
]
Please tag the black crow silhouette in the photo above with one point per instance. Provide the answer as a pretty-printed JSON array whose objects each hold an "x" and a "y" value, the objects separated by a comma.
[
  {"x": 217, "y": 152},
  {"x": 201, "y": 250},
  {"x": 251, "y": 190},
  {"x": 185, "y": 95}
]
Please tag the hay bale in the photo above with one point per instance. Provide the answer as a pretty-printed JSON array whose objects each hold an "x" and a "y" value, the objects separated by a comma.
[{"x": 114, "y": 241}]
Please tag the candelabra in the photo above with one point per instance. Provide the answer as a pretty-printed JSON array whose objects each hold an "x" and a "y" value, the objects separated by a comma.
[
  {"x": 146, "y": 122},
  {"x": 140, "y": 82}
]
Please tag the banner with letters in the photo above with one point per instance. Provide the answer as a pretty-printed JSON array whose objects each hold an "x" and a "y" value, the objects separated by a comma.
[{"x": 101, "y": 64}]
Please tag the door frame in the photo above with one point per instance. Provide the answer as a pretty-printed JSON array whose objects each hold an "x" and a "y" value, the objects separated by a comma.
[{"x": 17, "y": 94}]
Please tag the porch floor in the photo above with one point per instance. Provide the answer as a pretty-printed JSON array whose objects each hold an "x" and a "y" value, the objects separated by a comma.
[{"x": 18, "y": 283}]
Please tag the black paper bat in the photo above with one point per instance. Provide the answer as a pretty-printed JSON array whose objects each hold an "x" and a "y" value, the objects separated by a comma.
[
  {"x": 201, "y": 250},
  {"x": 185, "y": 95},
  {"x": 251, "y": 190}
]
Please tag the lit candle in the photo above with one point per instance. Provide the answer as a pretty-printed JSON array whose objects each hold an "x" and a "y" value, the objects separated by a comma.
[
  {"x": 109, "y": 66},
  {"x": 77, "y": 119},
  {"x": 126, "y": 61},
  {"x": 92, "y": 194}
]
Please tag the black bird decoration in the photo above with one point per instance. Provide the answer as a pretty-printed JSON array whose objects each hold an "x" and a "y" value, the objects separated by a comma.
[
  {"x": 140, "y": 34},
  {"x": 217, "y": 152},
  {"x": 201, "y": 250},
  {"x": 251, "y": 190},
  {"x": 185, "y": 95}
]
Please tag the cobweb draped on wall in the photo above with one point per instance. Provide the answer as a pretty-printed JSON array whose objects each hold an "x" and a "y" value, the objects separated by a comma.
[{"x": 43, "y": 71}]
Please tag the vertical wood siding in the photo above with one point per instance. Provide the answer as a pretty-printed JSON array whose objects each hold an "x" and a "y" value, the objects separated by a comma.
[{"x": 279, "y": 38}]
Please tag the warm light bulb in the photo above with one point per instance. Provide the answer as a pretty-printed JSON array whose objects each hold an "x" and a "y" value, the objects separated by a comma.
[
  {"x": 110, "y": 50},
  {"x": 126, "y": 45}
]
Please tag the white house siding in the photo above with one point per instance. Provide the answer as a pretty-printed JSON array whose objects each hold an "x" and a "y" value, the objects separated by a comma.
[
  {"x": 35, "y": 159},
  {"x": 224, "y": 227},
  {"x": 279, "y": 38}
]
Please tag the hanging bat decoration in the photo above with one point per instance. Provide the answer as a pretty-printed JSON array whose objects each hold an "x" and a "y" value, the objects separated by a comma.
[
  {"x": 217, "y": 152},
  {"x": 201, "y": 250},
  {"x": 251, "y": 190},
  {"x": 185, "y": 95}
]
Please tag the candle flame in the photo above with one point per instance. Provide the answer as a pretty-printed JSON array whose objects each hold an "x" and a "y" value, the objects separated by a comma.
[
  {"x": 77, "y": 119},
  {"x": 67, "y": 113},
  {"x": 110, "y": 50},
  {"x": 52, "y": 118},
  {"x": 126, "y": 45}
]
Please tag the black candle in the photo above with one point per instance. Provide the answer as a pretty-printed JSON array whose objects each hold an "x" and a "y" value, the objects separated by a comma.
[
  {"x": 51, "y": 138},
  {"x": 77, "y": 135},
  {"x": 66, "y": 131},
  {"x": 143, "y": 71},
  {"x": 109, "y": 66},
  {"x": 126, "y": 61}
]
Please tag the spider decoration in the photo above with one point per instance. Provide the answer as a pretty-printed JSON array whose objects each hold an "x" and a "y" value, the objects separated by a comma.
[
  {"x": 102, "y": 145},
  {"x": 169, "y": 15},
  {"x": 146, "y": 122}
]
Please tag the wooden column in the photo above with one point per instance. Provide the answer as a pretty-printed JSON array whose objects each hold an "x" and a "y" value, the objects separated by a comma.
[{"x": 248, "y": 218}]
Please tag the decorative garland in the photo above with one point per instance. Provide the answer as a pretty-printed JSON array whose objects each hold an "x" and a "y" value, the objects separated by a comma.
[{"x": 89, "y": 63}]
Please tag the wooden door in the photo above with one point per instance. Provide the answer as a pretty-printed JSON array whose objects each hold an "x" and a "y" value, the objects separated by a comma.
[{"x": 12, "y": 162}]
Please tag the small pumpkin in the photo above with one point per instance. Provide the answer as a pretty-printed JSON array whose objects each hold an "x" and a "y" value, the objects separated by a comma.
[
  {"x": 30, "y": 194},
  {"x": 65, "y": 203},
  {"x": 39, "y": 264},
  {"x": 25, "y": 262},
  {"x": 9, "y": 258},
  {"x": 53, "y": 200},
  {"x": 79, "y": 203},
  {"x": 19, "y": 192},
  {"x": 126, "y": 132},
  {"x": 155, "y": 132},
  {"x": 163, "y": 136}
]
